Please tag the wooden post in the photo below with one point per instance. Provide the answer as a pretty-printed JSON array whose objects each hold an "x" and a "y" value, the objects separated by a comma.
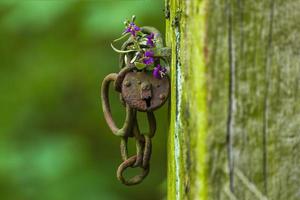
[{"x": 235, "y": 103}]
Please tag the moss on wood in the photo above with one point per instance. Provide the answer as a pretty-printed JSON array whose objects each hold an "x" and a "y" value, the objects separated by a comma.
[{"x": 235, "y": 99}]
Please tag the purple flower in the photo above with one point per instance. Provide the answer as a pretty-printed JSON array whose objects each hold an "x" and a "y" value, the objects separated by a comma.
[
  {"x": 159, "y": 71},
  {"x": 148, "y": 60},
  {"x": 148, "y": 57},
  {"x": 149, "y": 54},
  {"x": 132, "y": 28},
  {"x": 150, "y": 39}
]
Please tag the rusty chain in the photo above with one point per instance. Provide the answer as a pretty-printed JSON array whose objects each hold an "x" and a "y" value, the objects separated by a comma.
[{"x": 129, "y": 129}]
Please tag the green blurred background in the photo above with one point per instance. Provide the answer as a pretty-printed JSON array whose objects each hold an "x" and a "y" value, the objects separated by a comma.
[{"x": 54, "y": 142}]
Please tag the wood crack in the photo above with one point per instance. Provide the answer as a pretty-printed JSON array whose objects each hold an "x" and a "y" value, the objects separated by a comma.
[
  {"x": 231, "y": 100},
  {"x": 266, "y": 100}
]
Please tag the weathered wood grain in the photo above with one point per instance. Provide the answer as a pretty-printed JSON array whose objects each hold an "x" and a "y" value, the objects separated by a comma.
[{"x": 235, "y": 109}]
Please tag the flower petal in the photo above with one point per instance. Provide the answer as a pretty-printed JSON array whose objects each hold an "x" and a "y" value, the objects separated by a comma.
[
  {"x": 149, "y": 54},
  {"x": 148, "y": 60},
  {"x": 136, "y": 28},
  {"x": 156, "y": 73}
]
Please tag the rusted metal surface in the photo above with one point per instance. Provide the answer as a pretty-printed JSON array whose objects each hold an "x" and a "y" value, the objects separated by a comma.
[{"x": 142, "y": 91}]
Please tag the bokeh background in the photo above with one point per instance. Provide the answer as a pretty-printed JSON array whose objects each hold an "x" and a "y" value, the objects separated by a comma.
[{"x": 54, "y": 142}]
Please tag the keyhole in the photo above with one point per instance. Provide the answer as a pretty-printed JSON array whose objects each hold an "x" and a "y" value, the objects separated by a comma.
[
  {"x": 146, "y": 93},
  {"x": 148, "y": 102}
]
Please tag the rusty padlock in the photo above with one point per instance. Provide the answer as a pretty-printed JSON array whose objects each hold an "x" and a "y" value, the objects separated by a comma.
[{"x": 140, "y": 91}]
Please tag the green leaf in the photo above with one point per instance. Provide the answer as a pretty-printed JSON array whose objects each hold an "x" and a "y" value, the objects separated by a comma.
[
  {"x": 120, "y": 51},
  {"x": 150, "y": 67},
  {"x": 139, "y": 65},
  {"x": 122, "y": 37},
  {"x": 156, "y": 52}
]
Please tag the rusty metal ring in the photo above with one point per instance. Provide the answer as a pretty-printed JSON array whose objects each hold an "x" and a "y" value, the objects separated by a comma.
[
  {"x": 120, "y": 77},
  {"x": 152, "y": 124},
  {"x": 130, "y": 112},
  {"x": 134, "y": 180},
  {"x": 139, "y": 143},
  {"x": 123, "y": 148},
  {"x": 147, "y": 151},
  {"x": 143, "y": 141}
]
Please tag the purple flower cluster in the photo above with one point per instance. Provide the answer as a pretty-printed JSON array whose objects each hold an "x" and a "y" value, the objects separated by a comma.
[
  {"x": 150, "y": 39},
  {"x": 148, "y": 57},
  {"x": 132, "y": 28},
  {"x": 159, "y": 71}
]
